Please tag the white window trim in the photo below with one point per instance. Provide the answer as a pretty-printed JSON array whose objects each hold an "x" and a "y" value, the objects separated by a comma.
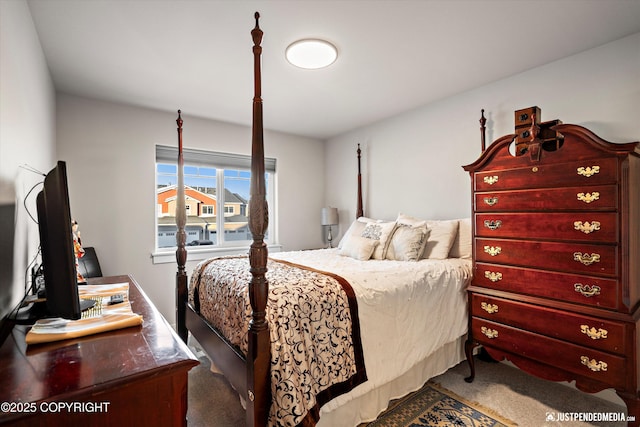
[{"x": 199, "y": 254}]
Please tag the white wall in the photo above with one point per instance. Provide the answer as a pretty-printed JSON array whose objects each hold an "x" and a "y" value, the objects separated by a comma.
[
  {"x": 110, "y": 154},
  {"x": 412, "y": 162},
  {"x": 27, "y": 134}
]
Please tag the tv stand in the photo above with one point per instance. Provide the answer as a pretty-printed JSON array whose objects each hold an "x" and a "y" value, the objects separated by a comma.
[
  {"x": 129, "y": 377},
  {"x": 29, "y": 314}
]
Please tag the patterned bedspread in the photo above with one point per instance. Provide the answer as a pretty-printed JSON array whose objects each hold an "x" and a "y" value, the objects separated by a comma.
[{"x": 316, "y": 351}]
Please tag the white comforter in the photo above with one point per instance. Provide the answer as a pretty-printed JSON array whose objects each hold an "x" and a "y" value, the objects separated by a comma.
[{"x": 407, "y": 310}]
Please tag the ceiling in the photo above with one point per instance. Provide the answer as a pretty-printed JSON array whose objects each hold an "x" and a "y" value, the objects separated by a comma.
[{"x": 394, "y": 55}]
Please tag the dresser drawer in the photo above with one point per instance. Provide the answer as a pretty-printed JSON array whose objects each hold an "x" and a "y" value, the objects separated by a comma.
[
  {"x": 584, "y": 172},
  {"x": 599, "y": 334},
  {"x": 597, "y": 365},
  {"x": 586, "y": 290},
  {"x": 586, "y": 197},
  {"x": 580, "y": 226},
  {"x": 581, "y": 258}
]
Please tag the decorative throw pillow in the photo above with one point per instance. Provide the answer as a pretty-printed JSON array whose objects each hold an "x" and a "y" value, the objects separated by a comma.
[
  {"x": 355, "y": 229},
  {"x": 409, "y": 220},
  {"x": 358, "y": 247},
  {"x": 407, "y": 243},
  {"x": 441, "y": 238},
  {"x": 380, "y": 231},
  {"x": 461, "y": 247}
]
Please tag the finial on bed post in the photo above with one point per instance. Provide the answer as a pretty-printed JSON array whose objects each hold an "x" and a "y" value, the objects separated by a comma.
[
  {"x": 259, "y": 354},
  {"x": 181, "y": 237},
  {"x": 359, "y": 210},
  {"x": 482, "y": 130}
]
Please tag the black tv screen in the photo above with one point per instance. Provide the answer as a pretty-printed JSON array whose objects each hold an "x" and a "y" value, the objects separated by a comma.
[{"x": 56, "y": 243}]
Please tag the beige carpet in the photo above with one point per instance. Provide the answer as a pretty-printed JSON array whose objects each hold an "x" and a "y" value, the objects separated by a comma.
[
  {"x": 212, "y": 401},
  {"x": 508, "y": 391},
  {"x": 522, "y": 398}
]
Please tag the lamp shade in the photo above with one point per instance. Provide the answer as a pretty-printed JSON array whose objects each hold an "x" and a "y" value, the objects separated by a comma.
[{"x": 329, "y": 216}]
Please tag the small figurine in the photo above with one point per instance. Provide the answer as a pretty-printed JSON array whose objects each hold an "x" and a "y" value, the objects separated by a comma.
[{"x": 77, "y": 249}]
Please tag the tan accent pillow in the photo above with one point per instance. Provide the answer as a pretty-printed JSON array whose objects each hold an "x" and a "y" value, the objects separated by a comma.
[
  {"x": 441, "y": 238},
  {"x": 461, "y": 247},
  {"x": 355, "y": 229},
  {"x": 380, "y": 231},
  {"x": 358, "y": 247},
  {"x": 407, "y": 243},
  {"x": 410, "y": 220}
]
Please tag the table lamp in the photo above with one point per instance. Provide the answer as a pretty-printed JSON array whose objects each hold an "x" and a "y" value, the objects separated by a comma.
[{"x": 329, "y": 218}]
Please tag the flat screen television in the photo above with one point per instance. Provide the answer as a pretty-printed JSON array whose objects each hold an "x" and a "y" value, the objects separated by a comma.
[{"x": 56, "y": 244}]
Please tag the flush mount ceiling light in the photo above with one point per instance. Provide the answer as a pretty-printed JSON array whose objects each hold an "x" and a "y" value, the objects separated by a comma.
[{"x": 311, "y": 53}]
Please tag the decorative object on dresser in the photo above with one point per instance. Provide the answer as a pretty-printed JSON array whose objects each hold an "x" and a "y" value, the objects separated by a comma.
[
  {"x": 329, "y": 218},
  {"x": 556, "y": 228}
]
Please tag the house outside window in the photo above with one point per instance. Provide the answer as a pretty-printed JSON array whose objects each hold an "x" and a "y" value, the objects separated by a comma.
[
  {"x": 207, "y": 210},
  {"x": 214, "y": 183}
]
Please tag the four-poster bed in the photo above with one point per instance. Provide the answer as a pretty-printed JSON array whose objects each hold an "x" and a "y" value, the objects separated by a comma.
[{"x": 329, "y": 334}]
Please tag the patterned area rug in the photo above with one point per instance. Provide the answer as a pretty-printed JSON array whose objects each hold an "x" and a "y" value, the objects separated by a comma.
[{"x": 435, "y": 406}]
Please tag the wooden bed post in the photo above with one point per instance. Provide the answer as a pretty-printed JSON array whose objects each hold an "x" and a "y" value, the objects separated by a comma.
[
  {"x": 482, "y": 131},
  {"x": 181, "y": 238},
  {"x": 359, "y": 211},
  {"x": 259, "y": 351}
]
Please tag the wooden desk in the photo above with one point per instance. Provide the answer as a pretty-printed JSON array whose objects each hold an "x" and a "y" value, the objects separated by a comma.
[{"x": 130, "y": 377}]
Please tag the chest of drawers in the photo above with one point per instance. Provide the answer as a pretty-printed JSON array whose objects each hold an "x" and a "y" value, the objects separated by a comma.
[{"x": 556, "y": 258}]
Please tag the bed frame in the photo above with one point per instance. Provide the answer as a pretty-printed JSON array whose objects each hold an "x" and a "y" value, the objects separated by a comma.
[{"x": 249, "y": 375}]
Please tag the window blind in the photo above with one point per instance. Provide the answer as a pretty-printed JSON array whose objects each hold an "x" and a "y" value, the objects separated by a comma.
[{"x": 195, "y": 157}]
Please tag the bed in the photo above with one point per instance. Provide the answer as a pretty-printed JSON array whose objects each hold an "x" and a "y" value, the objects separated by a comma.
[{"x": 327, "y": 337}]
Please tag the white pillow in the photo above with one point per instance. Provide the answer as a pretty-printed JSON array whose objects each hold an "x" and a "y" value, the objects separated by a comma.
[
  {"x": 380, "y": 231},
  {"x": 461, "y": 247},
  {"x": 407, "y": 243},
  {"x": 411, "y": 221},
  {"x": 358, "y": 247},
  {"x": 355, "y": 229},
  {"x": 441, "y": 238}
]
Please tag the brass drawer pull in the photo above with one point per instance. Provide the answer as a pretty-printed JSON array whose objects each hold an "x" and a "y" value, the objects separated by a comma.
[
  {"x": 490, "y": 308},
  {"x": 588, "y": 197},
  {"x": 588, "y": 171},
  {"x": 586, "y": 227},
  {"x": 593, "y": 365},
  {"x": 494, "y": 277},
  {"x": 491, "y": 179},
  {"x": 593, "y": 333},
  {"x": 585, "y": 258},
  {"x": 493, "y": 250},
  {"x": 586, "y": 290},
  {"x": 493, "y": 224},
  {"x": 489, "y": 333},
  {"x": 491, "y": 200}
]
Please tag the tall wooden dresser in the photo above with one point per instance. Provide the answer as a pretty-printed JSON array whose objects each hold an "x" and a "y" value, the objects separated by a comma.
[{"x": 556, "y": 255}]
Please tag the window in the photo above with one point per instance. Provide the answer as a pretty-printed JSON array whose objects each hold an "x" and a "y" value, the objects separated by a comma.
[{"x": 216, "y": 197}]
